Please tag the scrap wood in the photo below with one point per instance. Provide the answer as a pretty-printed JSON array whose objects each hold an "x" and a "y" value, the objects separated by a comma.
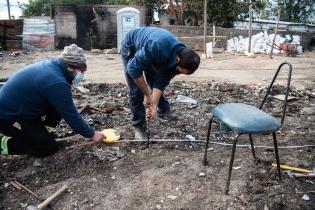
[
  {"x": 107, "y": 110},
  {"x": 308, "y": 175},
  {"x": 19, "y": 186},
  {"x": 292, "y": 168},
  {"x": 15, "y": 185},
  {"x": 281, "y": 97}
]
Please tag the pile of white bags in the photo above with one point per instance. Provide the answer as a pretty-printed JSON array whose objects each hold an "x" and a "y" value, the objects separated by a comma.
[{"x": 261, "y": 43}]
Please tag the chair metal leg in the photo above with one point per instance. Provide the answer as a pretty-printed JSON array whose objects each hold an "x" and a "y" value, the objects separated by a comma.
[
  {"x": 252, "y": 146},
  {"x": 205, "y": 160},
  {"x": 231, "y": 164},
  {"x": 277, "y": 154}
]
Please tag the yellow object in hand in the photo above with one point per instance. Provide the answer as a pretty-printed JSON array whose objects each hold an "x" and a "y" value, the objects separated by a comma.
[{"x": 112, "y": 135}]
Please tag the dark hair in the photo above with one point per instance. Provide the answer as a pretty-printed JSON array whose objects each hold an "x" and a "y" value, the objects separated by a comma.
[
  {"x": 82, "y": 67},
  {"x": 189, "y": 59}
]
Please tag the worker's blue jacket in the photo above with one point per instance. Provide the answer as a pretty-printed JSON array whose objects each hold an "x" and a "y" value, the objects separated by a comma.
[
  {"x": 33, "y": 90},
  {"x": 152, "y": 49}
]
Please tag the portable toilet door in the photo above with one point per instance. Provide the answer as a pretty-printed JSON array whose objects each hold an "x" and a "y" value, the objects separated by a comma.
[{"x": 127, "y": 18}]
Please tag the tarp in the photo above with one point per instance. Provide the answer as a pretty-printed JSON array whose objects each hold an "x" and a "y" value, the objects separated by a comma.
[{"x": 39, "y": 34}]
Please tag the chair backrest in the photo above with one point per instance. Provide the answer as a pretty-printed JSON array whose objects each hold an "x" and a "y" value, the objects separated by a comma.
[{"x": 286, "y": 91}]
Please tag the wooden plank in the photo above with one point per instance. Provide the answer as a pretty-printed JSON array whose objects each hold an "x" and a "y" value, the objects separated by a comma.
[
  {"x": 10, "y": 37},
  {"x": 14, "y": 45}
]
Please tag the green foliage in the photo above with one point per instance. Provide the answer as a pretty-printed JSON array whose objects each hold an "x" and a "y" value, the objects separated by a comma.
[
  {"x": 291, "y": 10},
  {"x": 225, "y": 12},
  {"x": 295, "y": 10},
  {"x": 42, "y": 7}
]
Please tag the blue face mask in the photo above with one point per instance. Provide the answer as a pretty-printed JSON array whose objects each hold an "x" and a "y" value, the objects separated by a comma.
[{"x": 77, "y": 79}]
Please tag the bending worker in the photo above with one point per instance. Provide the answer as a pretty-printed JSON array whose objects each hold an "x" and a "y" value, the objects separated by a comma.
[
  {"x": 154, "y": 56},
  {"x": 36, "y": 98}
]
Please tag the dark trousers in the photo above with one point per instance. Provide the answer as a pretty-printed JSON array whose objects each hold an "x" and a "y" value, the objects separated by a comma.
[
  {"x": 33, "y": 138},
  {"x": 136, "y": 96}
]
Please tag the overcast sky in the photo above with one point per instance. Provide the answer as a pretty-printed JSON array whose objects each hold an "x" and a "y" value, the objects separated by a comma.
[{"x": 14, "y": 8}]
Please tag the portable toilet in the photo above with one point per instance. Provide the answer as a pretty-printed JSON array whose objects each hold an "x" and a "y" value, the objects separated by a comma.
[{"x": 127, "y": 18}]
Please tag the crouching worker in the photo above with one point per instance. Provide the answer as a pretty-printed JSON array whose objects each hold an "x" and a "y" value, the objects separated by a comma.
[{"x": 36, "y": 98}]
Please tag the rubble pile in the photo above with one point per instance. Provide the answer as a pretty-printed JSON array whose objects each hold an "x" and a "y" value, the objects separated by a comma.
[
  {"x": 170, "y": 175},
  {"x": 192, "y": 102}
]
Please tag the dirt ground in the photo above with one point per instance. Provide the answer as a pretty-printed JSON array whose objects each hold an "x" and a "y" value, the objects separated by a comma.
[
  {"x": 171, "y": 175},
  {"x": 107, "y": 68}
]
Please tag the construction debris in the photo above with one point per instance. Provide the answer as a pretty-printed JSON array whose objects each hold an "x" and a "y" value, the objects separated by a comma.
[{"x": 134, "y": 175}]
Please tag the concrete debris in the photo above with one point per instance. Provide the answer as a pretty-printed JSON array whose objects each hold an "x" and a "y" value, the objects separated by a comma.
[
  {"x": 110, "y": 51},
  {"x": 243, "y": 200},
  {"x": 96, "y": 51},
  {"x": 308, "y": 110},
  {"x": 190, "y": 137},
  {"x": 111, "y": 154},
  {"x": 6, "y": 185},
  {"x": 36, "y": 163},
  {"x": 158, "y": 206},
  {"x": 202, "y": 174},
  {"x": 172, "y": 197},
  {"x": 82, "y": 89},
  {"x": 23, "y": 205},
  {"x": 306, "y": 197},
  {"x": 186, "y": 100},
  {"x": 16, "y": 54}
]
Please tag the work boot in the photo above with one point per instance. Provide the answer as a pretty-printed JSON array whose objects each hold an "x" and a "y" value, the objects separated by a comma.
[
  {"x": 169, "y": 115},
  {"x": 140, "y": 132}
]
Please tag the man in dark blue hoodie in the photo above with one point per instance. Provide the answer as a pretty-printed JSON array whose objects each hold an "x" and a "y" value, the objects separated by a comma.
[
  {"x": 153, "y": 56},
  {"x": 36, "y": 98}
]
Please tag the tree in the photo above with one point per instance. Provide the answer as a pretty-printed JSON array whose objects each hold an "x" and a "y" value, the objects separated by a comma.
[
  {"x": 295, "y": 10},
  {"x": 291, "y": 10},
  {"x": 222, "y": 13},
  {"x": 42, "y": 7}
]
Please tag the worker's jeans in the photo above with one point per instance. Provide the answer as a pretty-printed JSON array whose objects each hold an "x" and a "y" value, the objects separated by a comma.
[
  {"x": 136, "y": 96},
  {"x": 32, "y": 137}
]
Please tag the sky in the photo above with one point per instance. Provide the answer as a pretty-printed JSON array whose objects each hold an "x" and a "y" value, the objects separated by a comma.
[{"x": 15, "y": 10}]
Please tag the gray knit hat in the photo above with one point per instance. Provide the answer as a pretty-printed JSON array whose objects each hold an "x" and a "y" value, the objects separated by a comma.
[{"x": 74, "y": 56}]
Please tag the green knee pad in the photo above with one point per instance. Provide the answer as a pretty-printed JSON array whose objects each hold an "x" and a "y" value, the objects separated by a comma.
[
  {"x": 49, "y": 129},
  {"x": 4, "y": 145}
]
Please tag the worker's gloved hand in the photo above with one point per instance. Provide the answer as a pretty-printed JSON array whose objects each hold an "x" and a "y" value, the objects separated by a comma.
[{"x": 98, "y": 136}]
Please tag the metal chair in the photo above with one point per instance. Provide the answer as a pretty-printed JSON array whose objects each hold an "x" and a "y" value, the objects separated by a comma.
[{"x": 246, "y": 119}]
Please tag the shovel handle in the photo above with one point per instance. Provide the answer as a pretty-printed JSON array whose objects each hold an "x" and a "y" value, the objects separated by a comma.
[{"x": 52, "y": 197}]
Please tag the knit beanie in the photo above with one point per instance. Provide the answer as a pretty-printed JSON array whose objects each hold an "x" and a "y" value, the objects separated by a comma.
[{"x": 74, "y": 56}]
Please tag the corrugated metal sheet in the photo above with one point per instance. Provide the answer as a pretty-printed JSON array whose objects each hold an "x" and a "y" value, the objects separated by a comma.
[{"x": 39, "y": 34}]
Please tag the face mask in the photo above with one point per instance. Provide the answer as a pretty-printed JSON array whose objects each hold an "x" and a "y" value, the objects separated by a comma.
[{"x": 77, "y": 79}]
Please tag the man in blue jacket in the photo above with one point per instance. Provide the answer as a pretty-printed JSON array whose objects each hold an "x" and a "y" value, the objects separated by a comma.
[
  {"x": 154, "y": 56},
  {"x": 36, "y": 98}
]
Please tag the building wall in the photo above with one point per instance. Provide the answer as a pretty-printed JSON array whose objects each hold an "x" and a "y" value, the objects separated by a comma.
[
  {"x": 197, "y": 43},
  {"x": 90, "y": 27},
  {"x": 11, "y": 34}
]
